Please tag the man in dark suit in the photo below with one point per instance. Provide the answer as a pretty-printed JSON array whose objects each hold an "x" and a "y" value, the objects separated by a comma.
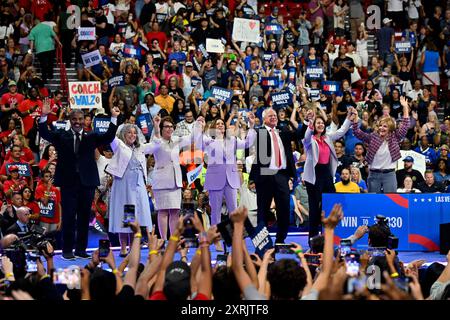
[
  {"x": 271, "y": 170},
  {"x": 76, "y": 174},
  {"x": 22, "y": 223},
  {"x": 8, "y": 215}
]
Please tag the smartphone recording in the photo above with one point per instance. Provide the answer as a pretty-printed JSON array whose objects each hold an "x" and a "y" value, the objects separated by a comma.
[{"x": 129, "y": 215}]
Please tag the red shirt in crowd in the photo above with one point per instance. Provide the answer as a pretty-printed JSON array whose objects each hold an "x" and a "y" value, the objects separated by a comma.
[
  {"x": 25, "y": 4},
  {"x": 158, "y": 35},
  {"x": 9, "y": 98},
  {"x": 39, "y": 8},
  {"x": 54, "y": 109},
  {"x": 25, "y": 156},
  {"x": 48, "y": 213},
  {"x": 34, "y": 207},
  {"x": 16, "y": 185},
  {"x": 43, "y": 163},
  {"x": 28, "y": 120}
]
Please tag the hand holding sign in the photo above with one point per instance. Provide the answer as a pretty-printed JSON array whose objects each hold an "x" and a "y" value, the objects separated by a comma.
[
  {"x": 251, "y": 119},
  {"x": 115, "y": 111}
]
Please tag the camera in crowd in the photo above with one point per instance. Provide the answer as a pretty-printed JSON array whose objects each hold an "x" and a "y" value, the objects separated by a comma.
[
  {"x": 25, "y": 251},
  {"x": 383, "y": 224}
]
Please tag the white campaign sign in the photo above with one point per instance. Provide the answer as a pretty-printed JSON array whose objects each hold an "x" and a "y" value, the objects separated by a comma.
[
  {"x": 91, "y": 58},
  {"x": 245, "y": 30},
  {"x": 214, "y": 45},
  {"x": 86, "y": 34},
  {"x": 85, "y": 94}
]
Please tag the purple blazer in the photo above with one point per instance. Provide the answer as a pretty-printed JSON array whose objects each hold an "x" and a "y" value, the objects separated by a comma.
[{"x": 222, "y": 166}]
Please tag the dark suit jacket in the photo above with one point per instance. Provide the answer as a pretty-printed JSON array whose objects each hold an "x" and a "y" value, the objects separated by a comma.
[
  {"x": 6, "y": 221},
  {"x": 263, "y": 145},
  {"x": 63, "y": 141},
  {"x": 14, "y": 229}
]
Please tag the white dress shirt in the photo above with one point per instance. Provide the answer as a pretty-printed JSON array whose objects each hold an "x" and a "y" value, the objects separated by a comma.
[{"x": 272, "y": 150}]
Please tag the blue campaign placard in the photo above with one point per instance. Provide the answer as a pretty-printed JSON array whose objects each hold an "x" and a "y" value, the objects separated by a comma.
[
  {"x": 145, "y": 124},
  {"x": 314, "y": 73},
  {"x": 413, "y": 218},
  {"x": 222, "y": 94},
  {"x": 116, "y": 81},
  {"x": 267, "y": 82},
  {"x": 282, "y": 99},
  {"x": 273, "y": 28},
  {"x": 24, "y": 168},
  {"x": 331, "y": 87},
  {"x": 47, "y": 211},
  {"x": 131, "y": 51},
  {"x": 101, "y": 125},
  {"x": 291, "y": 87},
  {"x": 403, "y": 47},
  {"x": 195, "y": 81},
  {"x": 314, "y": 94},
  {"x": 260, "y": 238}
]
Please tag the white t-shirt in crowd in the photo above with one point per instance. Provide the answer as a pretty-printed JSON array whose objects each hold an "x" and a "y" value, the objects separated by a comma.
[
  {"x": 108, "y": 10},
  {"x": 395, "y": 5}
]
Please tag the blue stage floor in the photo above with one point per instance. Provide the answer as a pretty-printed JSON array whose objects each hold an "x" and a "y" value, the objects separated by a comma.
[{"x": 302, "y": 239}]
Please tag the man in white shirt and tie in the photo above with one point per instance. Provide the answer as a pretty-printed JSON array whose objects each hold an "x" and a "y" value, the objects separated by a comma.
[{"x": 271, "y": 170}]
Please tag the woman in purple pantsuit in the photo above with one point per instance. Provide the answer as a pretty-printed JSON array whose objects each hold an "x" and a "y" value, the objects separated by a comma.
[{"x": 222, "y": 178}]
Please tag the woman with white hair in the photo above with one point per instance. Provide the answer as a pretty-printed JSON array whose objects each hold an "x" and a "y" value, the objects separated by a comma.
[{"x": 129, "y": 170}]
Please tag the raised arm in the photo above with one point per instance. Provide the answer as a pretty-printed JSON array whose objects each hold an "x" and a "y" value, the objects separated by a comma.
[
  {"x": 310, "y": 114},
  {"x": 168, "y": 255},
  {"x": 365, "y": 137},
  {"x": 243, "y": 279},
  {"x": 46, "y": 134},
  {"x": 351, "y": 114},
  {"x": 401, "y": 131},
  {"x": 293, "y": 118},
  {"x": 155, "y": 143},
  {"x": 108, "y": 136},
  {"x": 330, "y": 224},
  {"x": 134, "y": 256},
  {"x": 251, "y": 134}
]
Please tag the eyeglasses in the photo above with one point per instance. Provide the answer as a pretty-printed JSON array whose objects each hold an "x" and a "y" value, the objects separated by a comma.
[{"x": 168, "y": 127}]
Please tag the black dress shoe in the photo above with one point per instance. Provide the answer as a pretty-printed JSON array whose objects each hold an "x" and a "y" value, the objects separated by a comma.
[
  {"x": 82, "y": 255},
  {"x": 68, "y": 256}
]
